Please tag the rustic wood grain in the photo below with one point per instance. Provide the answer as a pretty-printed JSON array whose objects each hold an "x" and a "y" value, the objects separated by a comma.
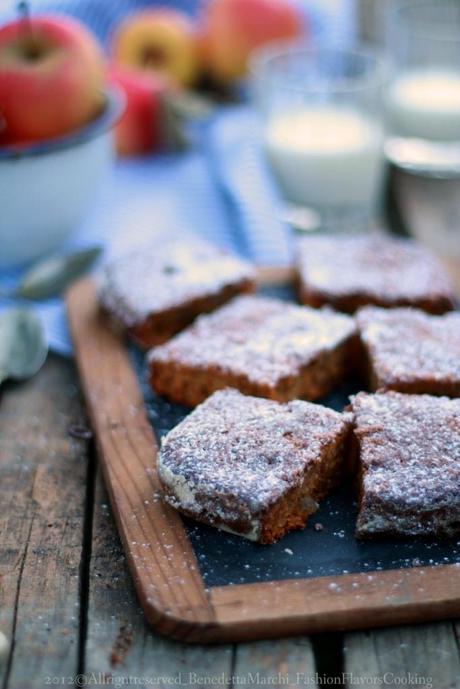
[
  {"x": 351, "y": 601},
  {"x": 164, "y": 568},
  {"x": 286, "y": 663},
  {"x": 160, "y": 557},
  {"x": 42, "y": 489},
  {"x": 119, "y": 640},
  {"x": 429, "y": 651}
]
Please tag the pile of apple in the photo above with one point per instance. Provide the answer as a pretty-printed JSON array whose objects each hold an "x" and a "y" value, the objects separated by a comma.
[{"x": 52, "y": 70}]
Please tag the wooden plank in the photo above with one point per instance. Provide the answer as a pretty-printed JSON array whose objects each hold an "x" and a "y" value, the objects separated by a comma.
[
  {"x": 119, "y": 641},
  {"x": 287, "y": 663},
  {"x": 352, "y": 601},
  {"x": 165, "y": 571},
  {"x": 427, "y": 651},
  {"x": 161, "y": 559},
  {"x": 42, "y": 488}
]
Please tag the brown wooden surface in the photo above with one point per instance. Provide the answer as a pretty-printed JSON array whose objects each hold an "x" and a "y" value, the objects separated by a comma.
[
  {"x": 42, "y": 489},
  {"x": 165, "y": 572},
  {"x": 350, "y": 601},
  {"x": 399, "y": 651},
  {"x": 118, "y": 635},
  {"x": 117, "y": 641},
  {"x": 158, "y": 551},
  {"x": 34, "y": 417}
]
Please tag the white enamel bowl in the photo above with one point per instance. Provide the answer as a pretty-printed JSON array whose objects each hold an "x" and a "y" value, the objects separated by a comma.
[{"x": 47, "y": 188}]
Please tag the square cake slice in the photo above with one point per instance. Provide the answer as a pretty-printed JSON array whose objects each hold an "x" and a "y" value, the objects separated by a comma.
[
  {"x": 155, "y": 292},
  {"x": 409, "y": 455},
  {"x": 347, "y": 272},
  {"x": 411, "y": 351},
  {"x": 261, "y": 346},
  {"x": 253, "y": 466}
]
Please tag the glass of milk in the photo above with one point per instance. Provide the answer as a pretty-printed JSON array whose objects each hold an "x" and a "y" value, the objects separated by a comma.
[
  {"x": 423, "y": 99},
  {"x": 322, "y": 130}
]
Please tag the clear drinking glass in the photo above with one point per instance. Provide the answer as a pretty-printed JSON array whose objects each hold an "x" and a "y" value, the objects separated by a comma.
[
  {"x": 323, "y": 130},
  {"x": 423, "y": 100}
]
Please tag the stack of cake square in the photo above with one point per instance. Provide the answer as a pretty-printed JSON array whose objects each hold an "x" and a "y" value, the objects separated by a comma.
[
  {"x": 258, "y": 467},
  {"x": 408, "y": 445}
]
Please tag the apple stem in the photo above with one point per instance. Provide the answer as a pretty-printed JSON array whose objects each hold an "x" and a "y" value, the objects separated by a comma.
[
  {"x": 23, "y": 8},
  {"x": 24, "y": 13}
]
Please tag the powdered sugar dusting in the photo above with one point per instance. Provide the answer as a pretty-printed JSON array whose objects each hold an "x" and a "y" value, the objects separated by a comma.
[
  {"x": 409, "y": 346},
  {"x": 238, "y": 455},
  {"x": 382, "y": 268},
  {"x": 410, "y": 454},
  {"x": 165, "y": 275},
  {"x": 260, "y": 338}
]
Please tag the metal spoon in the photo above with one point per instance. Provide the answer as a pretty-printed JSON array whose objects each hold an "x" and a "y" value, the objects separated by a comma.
[{"x": 23, "y": 348}]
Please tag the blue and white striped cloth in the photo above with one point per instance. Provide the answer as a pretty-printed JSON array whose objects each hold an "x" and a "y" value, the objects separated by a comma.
[{"x": 221, "y": 189}]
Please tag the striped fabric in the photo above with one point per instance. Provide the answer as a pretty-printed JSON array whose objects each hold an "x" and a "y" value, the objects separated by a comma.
[
  {"x": 240, "y": 171},
  {"x": 102, "y": 16}
]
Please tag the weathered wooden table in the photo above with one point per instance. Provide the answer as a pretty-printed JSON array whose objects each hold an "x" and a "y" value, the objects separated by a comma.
[{"x": 66, "y": 599}]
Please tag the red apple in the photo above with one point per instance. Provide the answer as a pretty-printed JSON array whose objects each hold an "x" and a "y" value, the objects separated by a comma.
[
  {"x": 161, "y": 41},
  {"x": 3, "y": 137},
  {"x": 233, "y": 28},
  {"x": 139, "y": 130},
  {"x": 51, "y": 77}
]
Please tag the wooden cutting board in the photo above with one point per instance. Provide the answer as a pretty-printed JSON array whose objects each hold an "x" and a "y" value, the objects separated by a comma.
[{"x": 172, "y": 587}]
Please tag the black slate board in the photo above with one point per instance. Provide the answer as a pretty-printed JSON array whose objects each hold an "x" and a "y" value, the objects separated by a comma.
[{"x": 326, "y": 547}]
